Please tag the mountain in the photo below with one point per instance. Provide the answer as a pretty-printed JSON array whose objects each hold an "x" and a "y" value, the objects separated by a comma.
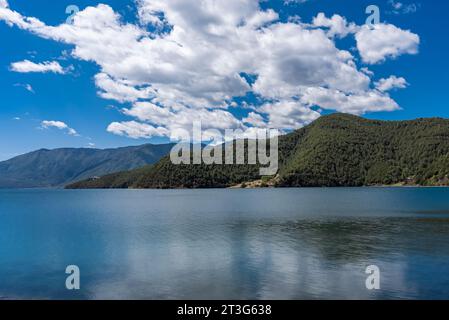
[
  {"x": 59, "y": 167},
  {"x": 335, "y": 150},
  {"x": 345, "y": 150}
]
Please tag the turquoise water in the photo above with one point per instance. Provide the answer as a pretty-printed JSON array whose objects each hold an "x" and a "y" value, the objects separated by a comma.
[{"x": 225, "y": 244}]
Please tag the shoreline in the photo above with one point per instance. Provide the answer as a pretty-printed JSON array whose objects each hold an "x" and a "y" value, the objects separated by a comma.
[{"x": 255, "y": 188}]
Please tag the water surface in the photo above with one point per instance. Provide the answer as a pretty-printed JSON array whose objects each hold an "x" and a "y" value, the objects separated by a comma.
[{"x": 225, "y": 244}]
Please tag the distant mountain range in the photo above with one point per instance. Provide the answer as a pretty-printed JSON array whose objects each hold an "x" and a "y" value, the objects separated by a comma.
[
  {"x": 335, "y": 150},
  {"x": 59, "y": 167}
]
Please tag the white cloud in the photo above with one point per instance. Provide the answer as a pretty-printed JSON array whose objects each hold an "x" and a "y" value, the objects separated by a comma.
[
  {"x": 182, "y": 118},
  {"x": 255, "y": 119},
  {"x": 191, "y": 69},
  {"x": 26, "y": 86},
  {"x": 288, "y": 114},
  {"x": 27, "y": 66},
  {"x": 136, "y": 130},
  {"x": 390, "y": 83},
  {"x": 46, "y": 124},
  {"x": 120, "y": 90},
  {"x": 294, "y": 1},
  {"x": 401, "y": 8},
  {"x": 367, "y": 71},
  {"x": 338, "y": 26},
  {"x": 29, "y": 88},
  {"x": 3, "y": 4},
  {"x": 383, "y": 41},
  {"x": 369, "y": 101}
]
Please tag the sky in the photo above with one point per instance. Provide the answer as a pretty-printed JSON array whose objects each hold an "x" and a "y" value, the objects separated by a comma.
[{"x": 111, "y": 73}]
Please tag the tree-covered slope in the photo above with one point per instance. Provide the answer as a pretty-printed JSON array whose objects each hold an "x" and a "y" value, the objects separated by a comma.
[
  {"x": 344, "y": 150},
  {"x": 52, "y": 168},
  {"x": 335, "y": 150},
  {"x": 165, "y": 174}
]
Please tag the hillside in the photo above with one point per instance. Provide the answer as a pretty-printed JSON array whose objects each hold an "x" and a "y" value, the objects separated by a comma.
[
  {"x": 53, "y": 168},
  {"x": 335, "y": 150},
  {"x": 344, "y": 150}
]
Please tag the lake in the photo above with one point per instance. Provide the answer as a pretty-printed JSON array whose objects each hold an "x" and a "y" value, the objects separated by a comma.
[{"x": 225, "y": 244}]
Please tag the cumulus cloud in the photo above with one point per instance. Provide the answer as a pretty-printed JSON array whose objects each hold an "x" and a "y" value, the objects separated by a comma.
[
  {"x": 369, "y": 101},
  {"x": 46, "y": 124},
  {"x": 254, "y": 119},
  {"x": 136, "y": 130},
  {"x": 182, "y": 118},
  {"x": 120, "y": 90},
  {"x": 171, "y": 69},
  {"x": 288, "y": 114},
  {"x": 338, "y": 26},
  {"x": 383, "y": 41},
  {"x": 391, "y": 83},
  {"x": 27, "y": 66},
  {"x": 3, "y": 4}
]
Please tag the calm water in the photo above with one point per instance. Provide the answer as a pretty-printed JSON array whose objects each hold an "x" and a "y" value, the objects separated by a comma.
[{"x": 225, "y": 244}]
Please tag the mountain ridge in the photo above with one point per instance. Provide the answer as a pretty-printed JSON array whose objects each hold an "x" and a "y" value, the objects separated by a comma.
[
  {"x": 59, "y": 167},
  {"x": 333, "y": 151}
]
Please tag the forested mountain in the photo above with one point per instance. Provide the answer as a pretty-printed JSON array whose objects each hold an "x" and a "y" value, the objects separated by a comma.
[
  {"x": 335, "y": 150},
  {"x": 53, "y": 168}
]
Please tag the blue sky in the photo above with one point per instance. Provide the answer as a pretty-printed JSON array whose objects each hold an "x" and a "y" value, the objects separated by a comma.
[{"x": 71, "y": 95}]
